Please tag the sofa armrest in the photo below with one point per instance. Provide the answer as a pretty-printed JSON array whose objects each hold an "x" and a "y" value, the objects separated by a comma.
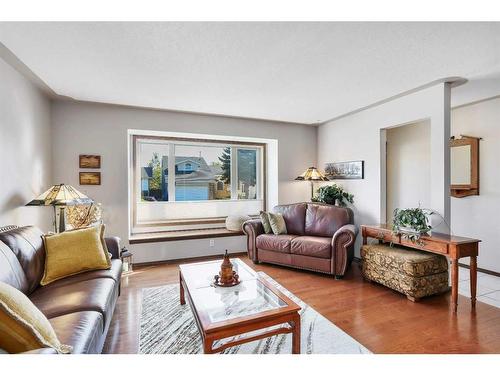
[
  {"x": 343, "y": 248},
  {"x": 348, "y": 228},
  {"x": 113, "y": 245},
  {"x": 253, "y": 228},
  {"x": 41, "y": 351}
]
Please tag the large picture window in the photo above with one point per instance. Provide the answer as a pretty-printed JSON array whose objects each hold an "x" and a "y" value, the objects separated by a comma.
[{"x": 185, "y": 183}]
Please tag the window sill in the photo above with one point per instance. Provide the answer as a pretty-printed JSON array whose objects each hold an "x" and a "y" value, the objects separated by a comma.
[{"x": 180, "y": 235}]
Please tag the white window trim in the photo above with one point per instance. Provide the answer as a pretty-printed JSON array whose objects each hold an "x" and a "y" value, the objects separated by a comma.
[
  {"x": 235, "y": 143},
  {"x": 259, "y": 161}
]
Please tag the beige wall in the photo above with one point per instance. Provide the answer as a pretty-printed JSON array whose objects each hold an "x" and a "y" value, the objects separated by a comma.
[
  {"x": 477, "y": 216},
  {"x": 25, "y": 149},
  {"x": 408, "y": 167},
  {"x": 408, "y": 175},
  {"x": 361, "y": 136},
  {"x": 470, "y": 216},
  {"x": 102, "y": 129}
]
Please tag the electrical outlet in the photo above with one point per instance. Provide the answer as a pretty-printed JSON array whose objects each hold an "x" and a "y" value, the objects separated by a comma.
[{"x": 212, "y": 243}]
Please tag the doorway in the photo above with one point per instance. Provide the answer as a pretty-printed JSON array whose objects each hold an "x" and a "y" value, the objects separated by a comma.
[{"x": 408, "y": 167}]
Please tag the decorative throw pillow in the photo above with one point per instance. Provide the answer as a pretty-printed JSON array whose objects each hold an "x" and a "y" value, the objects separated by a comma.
[
  {"x": 277, "y": 223},
  {"x": 73, "y": 252},
  {"x": 265, "y": 222},
  {"x": 22, "y": 326},
  {"x": 235, "y": 222}
]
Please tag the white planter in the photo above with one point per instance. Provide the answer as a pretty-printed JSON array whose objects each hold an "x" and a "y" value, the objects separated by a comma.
[{"x": 407, "y": 230}]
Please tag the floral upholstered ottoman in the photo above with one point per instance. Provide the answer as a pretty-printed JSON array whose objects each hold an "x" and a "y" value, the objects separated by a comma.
[{"x": 414, "y": 273}]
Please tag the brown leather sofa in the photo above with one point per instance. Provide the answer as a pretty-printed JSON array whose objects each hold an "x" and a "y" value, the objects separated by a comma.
[
  {"x": 79, "y": 307},
  {"x": 320, "y": 238}
]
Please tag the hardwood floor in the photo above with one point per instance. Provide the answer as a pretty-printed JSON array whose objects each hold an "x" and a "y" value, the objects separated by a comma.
[{"x": 382, "y": 320}]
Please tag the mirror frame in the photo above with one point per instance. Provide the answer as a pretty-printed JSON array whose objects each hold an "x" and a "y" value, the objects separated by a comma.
[{"x": 460, "y": 191}]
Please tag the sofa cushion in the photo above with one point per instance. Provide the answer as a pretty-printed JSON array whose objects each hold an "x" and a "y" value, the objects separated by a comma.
[
  {"x": 27, "y": 245},
  {"x": 73, "y": 252},
  {"x": 114, "y": 273},
  {"x": 325, "y": 220},
  {"x": 23, "y": 327},
  {"x": 273, "y": 242},
  {"x": 90, "y": 295},
  {"x": 11, "y": 271},
  {"x": 320, "y": 247},
  {"x": 82, "y": 330},
  {"x": 294, "y": 215}
]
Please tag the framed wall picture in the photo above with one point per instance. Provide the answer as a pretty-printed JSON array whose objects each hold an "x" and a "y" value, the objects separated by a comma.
[
  {"x": 346, "y": 170},
  {"x": 90, "y": 178},
  {"x": 90, "y": 161}
]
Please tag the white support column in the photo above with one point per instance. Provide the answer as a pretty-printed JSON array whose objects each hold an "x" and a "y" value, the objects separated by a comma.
[
  {"x": 440, "y": 163},
  {"x": 383, "y": 175}
]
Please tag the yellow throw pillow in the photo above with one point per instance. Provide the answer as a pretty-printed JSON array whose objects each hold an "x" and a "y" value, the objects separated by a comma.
[
  {"x": 73, "y": 252},
  {"x": 22, "y": 326},
  {"x": 277, "y": 223}
]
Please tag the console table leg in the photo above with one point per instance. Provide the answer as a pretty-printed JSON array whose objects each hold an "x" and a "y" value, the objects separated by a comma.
[
  {"x": 473, "y": 280},
  {"x": 181, "y": 288},
  {"x": 454, "y": 284}
]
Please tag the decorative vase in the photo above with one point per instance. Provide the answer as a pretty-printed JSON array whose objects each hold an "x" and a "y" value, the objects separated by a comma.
[{"x": 226, "y": 271}]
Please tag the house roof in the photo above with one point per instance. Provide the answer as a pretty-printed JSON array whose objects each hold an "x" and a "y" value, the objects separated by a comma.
[
  {"x": 146, "y": 172},
  {"x": 197, "y": 176},
  {"x": 203, "y": 174},
  {"x": 181, "y": 159}
]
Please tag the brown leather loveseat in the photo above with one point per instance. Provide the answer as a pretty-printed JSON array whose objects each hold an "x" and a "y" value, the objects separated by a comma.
[
  {"x": 79, "y": 307},
  {"x": 319, "y": 237}
]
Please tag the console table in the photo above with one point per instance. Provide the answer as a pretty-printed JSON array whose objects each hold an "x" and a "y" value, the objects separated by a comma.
[{"x": 453, "y": 247}]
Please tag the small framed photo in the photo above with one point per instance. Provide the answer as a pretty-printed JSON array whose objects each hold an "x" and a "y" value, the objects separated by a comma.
[
  {"x": 347, "y": 170},
  {"x": 90, "y": 178},
  {"x": 90, "y": 161}
]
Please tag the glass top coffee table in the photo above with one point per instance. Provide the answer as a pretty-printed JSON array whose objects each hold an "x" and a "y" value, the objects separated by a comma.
[{"x": 249, "y": 311}]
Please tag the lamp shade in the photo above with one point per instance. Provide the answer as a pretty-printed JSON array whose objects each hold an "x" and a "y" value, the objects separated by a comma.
[
  {"x": 61, "y": 195},
  {"x": 312, "y": 174}
]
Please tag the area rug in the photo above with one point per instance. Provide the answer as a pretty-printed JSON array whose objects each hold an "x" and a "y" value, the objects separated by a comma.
[{"x": 169, "y": 328}]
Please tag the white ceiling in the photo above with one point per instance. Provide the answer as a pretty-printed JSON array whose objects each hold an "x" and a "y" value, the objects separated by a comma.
[{"x": 298, "y": 72}]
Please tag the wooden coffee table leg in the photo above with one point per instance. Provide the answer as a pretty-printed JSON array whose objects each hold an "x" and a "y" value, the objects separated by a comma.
[
  {"x": 183, "y": 301},
  {"x": 207, "y": 345},
  {"x": 473, "y": 280},
  {"x": 296, "y": 335}
]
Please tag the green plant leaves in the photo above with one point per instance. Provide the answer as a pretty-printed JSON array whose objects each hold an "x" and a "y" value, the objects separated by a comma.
[
  {"x": 330, "y": 193},
  {"x": 411, "y": 223}
]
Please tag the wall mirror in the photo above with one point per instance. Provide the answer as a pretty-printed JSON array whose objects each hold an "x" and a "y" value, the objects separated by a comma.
[{"x": 464, "y": 168}]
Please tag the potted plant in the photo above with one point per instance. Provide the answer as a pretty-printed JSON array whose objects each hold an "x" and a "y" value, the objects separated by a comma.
[
  {"x": 333, "y": 194},
  {"x": 411, "y": 223}
]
